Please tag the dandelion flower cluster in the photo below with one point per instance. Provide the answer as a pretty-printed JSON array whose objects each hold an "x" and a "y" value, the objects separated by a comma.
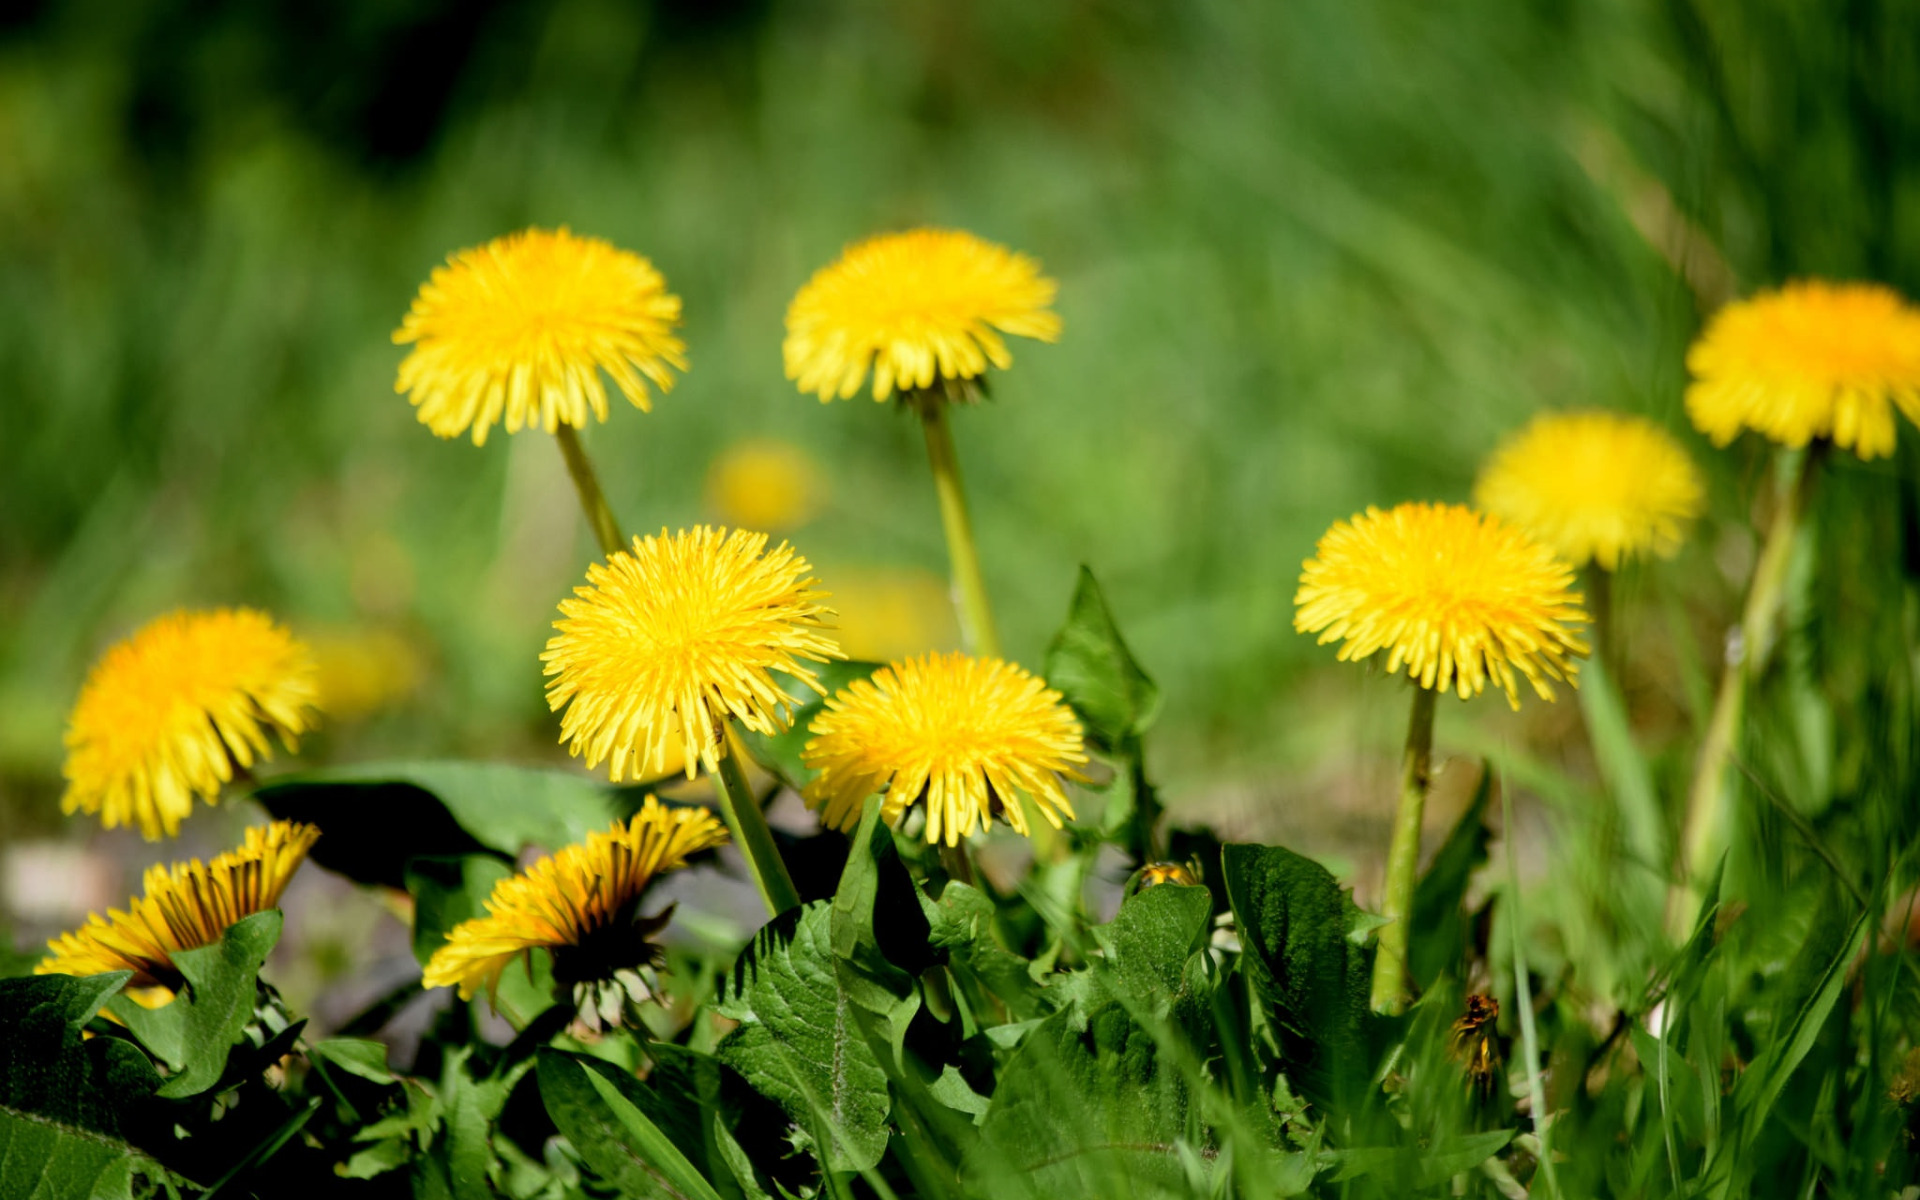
[
  {"x": 165, "y": 715},
  {"x": 518, "y": 330},
  {"x": 1810, "y": 360},
  {"x": 1459, "y": 599},
  {"x": 670, "y": 640},
  {"x": 966, "y": 735},
  {"x": 1595, "y": 486},
  {"x": 185, "y": 906},
  {"x": 580, "y": 903},
  {"x": 914, "y": 307}
]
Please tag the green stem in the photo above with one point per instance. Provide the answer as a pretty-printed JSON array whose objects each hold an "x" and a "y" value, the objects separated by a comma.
[
  {"x": 976, "y": 613},
  {"x": 1600, "y": 607},
  {"x": 1709, "y": 803},
  {"x": 957, "y": 863},
  {"x": 749, "y": 828},
  {"x": 592, "y": 499},
  {"x": 1403, "y": 858}
]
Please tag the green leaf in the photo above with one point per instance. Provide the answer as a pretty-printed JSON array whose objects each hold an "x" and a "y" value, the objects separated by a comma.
[
  {"x": 194, "y": 1032},
  {"x": 447, "y": 891},
  {"x": 376, "y": 817},
  {"x": 1092, "y": 1114},
  {"x": 355, "y": 1056},
  {"x": 1420, "y": 1166},
  {"x": 1150, "y": 940},
  {"x": 70, "y": 1107},
  {"x": 613, "y": 1135},
  {"x": 1293, "y": 920},
  {"x": 800, "y": 1041},
  {"x": 1437, "y": 936},
  {"x": 780, "y": 752},
  {"x": 1090, "y": 664}
]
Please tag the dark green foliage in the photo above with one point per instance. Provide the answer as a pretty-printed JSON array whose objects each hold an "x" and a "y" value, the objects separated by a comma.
[{"x": 1298, "y": 931}]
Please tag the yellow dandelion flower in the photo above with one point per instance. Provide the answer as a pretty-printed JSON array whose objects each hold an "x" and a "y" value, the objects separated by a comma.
[
  {"x": 364, "y": 671},
  {"x": 582, "y": 904},
  {"x": 966, "y": 735},
  {"x": 669, "y": 641},
  {"x": 889, "y": 613},
  {"x": 915, "y": 307},
  {"x": 166, "y": 714},
  {"x": 1595, "y": 486},
  {"x": 521, "y": 328},
  {"x": 186, "y": 906},
  {"x": 1810, "y": 360},
  {"x": 1458, "y": 598},
  {"x": 763, "y": 483}
]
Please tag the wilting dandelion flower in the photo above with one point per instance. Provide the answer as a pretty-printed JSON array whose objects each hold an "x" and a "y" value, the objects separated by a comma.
[
  {"x": 914, "y": 307},
  {"x": 165, "y": 715},
  {"x": 582, "y": 904},
  {"x": 1595, "y": 486},
  {"x": 1810, "y": 360},
  {"x": 185, "y": 906},
  {"x": 1459, "y": 599},
  {"x": 518, "y": 330},
  {"x": 966, "y": 736},
  {"x": 763, "y": 483},
  {"x": 672, "y": 639}
]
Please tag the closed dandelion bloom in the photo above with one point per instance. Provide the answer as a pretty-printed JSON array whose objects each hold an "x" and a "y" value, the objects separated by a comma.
[
  {"x": 914, "y": 307},
  {"x": 519, "y": 330},
  {"x": 964, "y": 735},
  {"x": 1810, "y": 360},
  {"x": 185, "y": 906},
  {"x": 1461, "y": 600},
  {"x": 669, "y": 641},
  {"x": 167, "y": 714},
  {"x": 582, "y": 904},
  {"x": 1595, "y": 486}
]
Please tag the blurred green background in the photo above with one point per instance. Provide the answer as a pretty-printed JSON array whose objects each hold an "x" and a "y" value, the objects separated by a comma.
[{"x": 1312, "y": 255}]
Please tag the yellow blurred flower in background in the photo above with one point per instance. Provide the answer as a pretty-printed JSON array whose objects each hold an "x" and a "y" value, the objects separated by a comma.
[
  {"x": 1810, "y": 360},
  {"x": 184, "y": 907},
  {"x": 889, "y": 613},
  {"x": 518, "y": 331},
  {"x": 167, "y": 714},
  {"x": 914, "y": 307},
  {"x": 966, "y": 736},
  {"x": 765, "y": 483},
  {"x": 1596, "y": 486},
  {"x": 669, "y": 641},
  {"x": 362, "y": 671},
  {"x": 581, "y": 903},
  {"x": 1460, "y": 599}
]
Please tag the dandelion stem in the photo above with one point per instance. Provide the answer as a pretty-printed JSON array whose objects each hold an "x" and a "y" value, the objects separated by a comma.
[
  {"x": 748, "y": 824},
  {"x": 970, "y": 586},
  {"x": 1403, "y": 858},
  {"x": 1709, "y": 803},
  {"x": 592, "y": 499}
]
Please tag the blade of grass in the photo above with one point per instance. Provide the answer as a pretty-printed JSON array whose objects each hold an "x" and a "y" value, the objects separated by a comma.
[{"x": 1523, "y": 995}]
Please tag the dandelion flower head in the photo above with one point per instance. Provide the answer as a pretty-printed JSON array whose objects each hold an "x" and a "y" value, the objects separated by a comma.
[
  {"x": 1810, "y": 360},
  {"x": 670, "y": 640},
  {"x": 1595, "y": 486},
  {"x": 914, "y": 307},
  {"x": 185, "y": 906},
  {"x": 581, "y": 903},
  {"x": 1460, "y": 599},
  {"x": 519, "y": 330},
  {"x": 967, "y": 736},
  {"x": 764, "y": 483},
  {"x": 165, "y": 715}
]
